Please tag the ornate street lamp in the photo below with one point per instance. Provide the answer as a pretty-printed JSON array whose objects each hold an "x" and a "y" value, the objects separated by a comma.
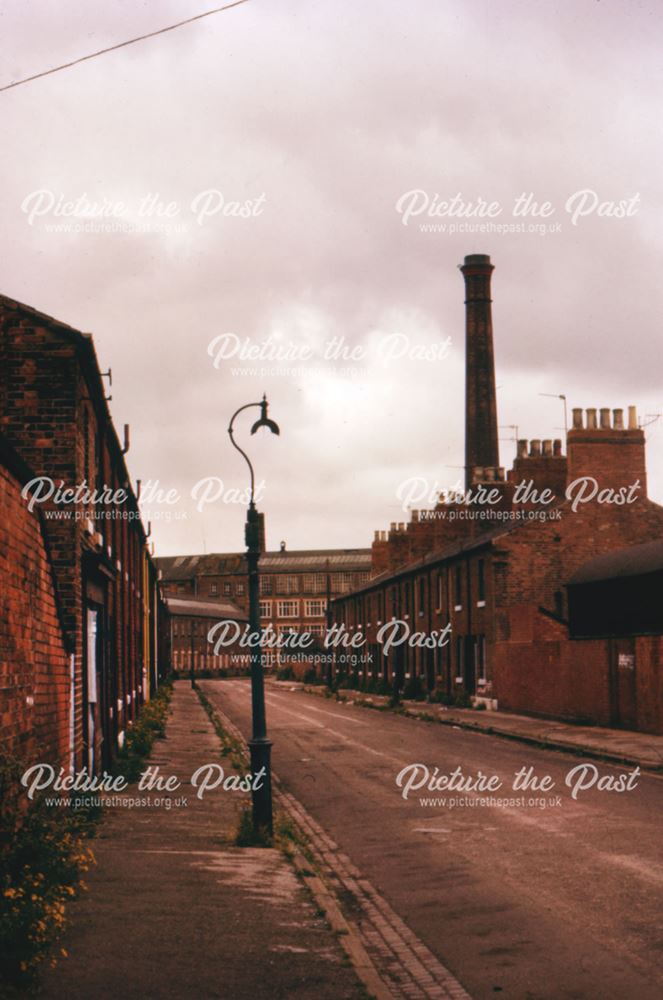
[{"x": 259, "y": 746}]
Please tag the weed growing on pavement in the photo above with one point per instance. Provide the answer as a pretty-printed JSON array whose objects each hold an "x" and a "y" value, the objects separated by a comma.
[
  {"x": 43, "y": 856},
  {"x": 230, "y": 745},
  {"x": 247, "y": 835},
  {"x": 148, "y": 727}
]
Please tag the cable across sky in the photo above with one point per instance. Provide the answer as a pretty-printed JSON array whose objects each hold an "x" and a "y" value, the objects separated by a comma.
[{"x": 121, "y": 45}]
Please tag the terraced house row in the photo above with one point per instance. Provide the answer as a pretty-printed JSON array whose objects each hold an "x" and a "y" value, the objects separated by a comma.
[
  {"x": 554, "y": 599},
  {"x": 82, "y": 639}
]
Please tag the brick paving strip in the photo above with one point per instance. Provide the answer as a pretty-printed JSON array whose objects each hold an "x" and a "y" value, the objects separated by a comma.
[{"x": 380, "y": 945}]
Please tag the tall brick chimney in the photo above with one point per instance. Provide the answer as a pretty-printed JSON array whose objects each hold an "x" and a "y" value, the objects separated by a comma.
[{"x": 481, "y": 448}]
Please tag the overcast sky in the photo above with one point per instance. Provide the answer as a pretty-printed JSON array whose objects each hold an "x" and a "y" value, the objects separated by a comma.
[{"x": 319, "y": 118}]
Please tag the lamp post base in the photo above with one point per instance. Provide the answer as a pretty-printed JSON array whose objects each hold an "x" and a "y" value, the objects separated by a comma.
[{"x": 261, "y": 752}]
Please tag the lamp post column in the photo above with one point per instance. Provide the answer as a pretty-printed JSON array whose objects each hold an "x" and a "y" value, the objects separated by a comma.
[{"x": 259, "y": 746}]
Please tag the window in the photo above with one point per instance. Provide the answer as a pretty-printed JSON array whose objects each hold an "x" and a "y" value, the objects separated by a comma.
[
  {"x": 287, "y": 584},
  {"x": 213, "y": 589},
  {"x": 341, "y": 582},
  {"x": 314, "y": 583},
  {"x": 287, "y": 609},
  {"x": 240, "y": 589},
  {"x": 458, "y": 588},
  {"x": 228, "y": 589},
  {"x": 406, "y": 597},
  {"x": 363, "y": 578},
  {"x": 314, "y": 629},
  {"x": 265, "y": 585},
  {"x": 481, "y": 581},
  {"x": 265, "y": 609},
  {"x": 313, "y": 609}
]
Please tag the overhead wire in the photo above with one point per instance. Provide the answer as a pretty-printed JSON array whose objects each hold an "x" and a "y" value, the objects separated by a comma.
[{"x": 120, "y": 45}]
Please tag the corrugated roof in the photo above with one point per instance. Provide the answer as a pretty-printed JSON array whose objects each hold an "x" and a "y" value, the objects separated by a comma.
[
  {"x": 205, "y": 609},
  {"x": 286, "y": 561},
  {"x": 220, "y": 563},
  {"x": 634, "y": 560}
]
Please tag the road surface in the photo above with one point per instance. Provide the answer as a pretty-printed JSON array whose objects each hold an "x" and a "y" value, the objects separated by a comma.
[{"x": 557, "y": 903}]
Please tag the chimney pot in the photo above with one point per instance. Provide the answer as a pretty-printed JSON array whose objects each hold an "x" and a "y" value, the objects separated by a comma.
[
  {"x": 591, "y": 419},
  {"x": 489, "y": 475},
  {"x": 547, "y": 446},
  {"x": 376, "y": 536},
  {"x": 522, "y": 448},
  {"x": 401, "y": 526},
  {"x": 557, "y": 446},
  {"x": 415, "y": 516},
  {"x": 577, "y": 418},
  {"x": 477, "y": 474},
  {"x": 632, "y": 418},
  {"x": 500, "y": 473},
  {"x": 605, "y": 417},
  {"x": 618, "y": 420},
  {"x": 535, "y": 447}
]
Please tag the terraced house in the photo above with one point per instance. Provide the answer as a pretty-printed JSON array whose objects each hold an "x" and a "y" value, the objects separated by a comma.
[
  {"x": 82, "y": 644},
  {"x": 520, "y": 565}
]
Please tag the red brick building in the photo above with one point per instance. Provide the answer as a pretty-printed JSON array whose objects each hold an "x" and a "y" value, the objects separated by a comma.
[
  {"x": 190, "y": 620},
  {"x": 54, "y": 415},
  {"x": 295, "y": 586},
  {"x": 497, "y": 571}
]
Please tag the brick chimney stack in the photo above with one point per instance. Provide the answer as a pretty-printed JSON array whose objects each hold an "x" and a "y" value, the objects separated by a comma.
[
  {"x": 481, "y": 448},
  {"x": 608, "y": 451}
]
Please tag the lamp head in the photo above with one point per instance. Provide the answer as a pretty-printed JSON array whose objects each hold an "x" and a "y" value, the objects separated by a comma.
[{"x": 264, "y": 420}]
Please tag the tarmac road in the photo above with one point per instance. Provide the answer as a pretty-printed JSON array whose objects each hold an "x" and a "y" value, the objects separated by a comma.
[{"x": 530, "y": 903}]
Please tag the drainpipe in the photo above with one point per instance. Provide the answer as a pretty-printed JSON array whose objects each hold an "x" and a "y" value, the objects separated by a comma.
[{"x": 72, "y": 712}]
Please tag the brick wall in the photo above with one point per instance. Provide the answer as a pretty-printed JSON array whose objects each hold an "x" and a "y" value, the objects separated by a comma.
[
  {"x": 53, "y": 411},
  {"x": 34, "y": 665},
  {"x": 554, "y": 678}
]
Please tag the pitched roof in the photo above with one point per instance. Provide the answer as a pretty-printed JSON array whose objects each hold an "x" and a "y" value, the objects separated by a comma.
[
  {"x": 193, "y": 608},
  {"x": 220, "y": 563},
  {"x": 634, "y": 560}
]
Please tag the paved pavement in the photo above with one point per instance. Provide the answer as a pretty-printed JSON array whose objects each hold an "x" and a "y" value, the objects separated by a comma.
[
  {"x": 527, "y": 895},
  {"x": 174, "y": 911},
  {"x": 619, "y": 745}
]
